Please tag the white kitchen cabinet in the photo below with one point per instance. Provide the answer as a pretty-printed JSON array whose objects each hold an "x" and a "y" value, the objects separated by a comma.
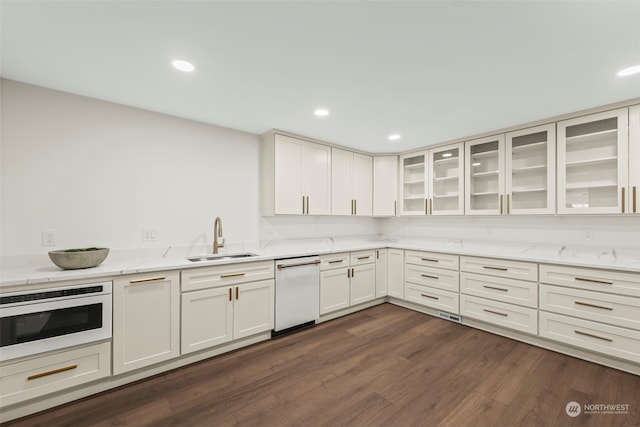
[
  {"x": 146, "y": 320},
  {"x": 484, "y": 176},
  {"x": 385, "y": 185},
  {"x": 363, "y": 283},
  {"x": 414, "y": 184},
  {"x": 593, "y": 162},
  {"x": 347, "y": 279},
  {"x": 382, "y": 272},
  {"x": 253, "y": 310},
  {"x": 352, "y": 183},
  {"x": 207, "y": 318},
  {"x": 446, "y": 183},
  {"x": 334, "y": 289},
  {"x": 296, "y": 176},
  {"x": 633, "y": 198},
  {"x": 395, "y": 282}
]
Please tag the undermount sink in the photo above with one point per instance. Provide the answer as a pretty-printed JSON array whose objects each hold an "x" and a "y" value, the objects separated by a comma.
[{"x": 220, "y": 257}]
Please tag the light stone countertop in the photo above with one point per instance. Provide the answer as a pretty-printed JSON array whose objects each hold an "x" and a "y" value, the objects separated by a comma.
[{"x": 18, "y": 271}]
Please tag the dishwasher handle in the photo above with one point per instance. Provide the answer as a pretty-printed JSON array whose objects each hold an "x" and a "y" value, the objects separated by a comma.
[{"x": 281, "y": 266}]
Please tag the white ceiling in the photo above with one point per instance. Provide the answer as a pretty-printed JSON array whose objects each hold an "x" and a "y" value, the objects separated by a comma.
[{"x": 432, "y": 71}]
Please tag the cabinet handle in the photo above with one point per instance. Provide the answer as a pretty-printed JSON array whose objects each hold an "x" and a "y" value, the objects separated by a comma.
[
  {"x": 430, "y": 277},
  {"x": 495, "y": 312},
  {"x": 429, "y": 259},
  {"x": 148, "y": 279},
  {"x": 307, "y": 205},
  {"x": 488, "y": 267},
  {"x": 586, "y": 279},
  {"x": 353, "y": 272},
  {"x": 224, "y": 276},
  {"x": 230, "y": 294},
  {"x": 333, "y": 261},
  {"x": 237, "y": 292},
  {"x": 355, "y": 207},
  {"x": 303, "y": 206},
  {"x": 429, "y": 296},
  {"x": 55, "y": 371},
  {"x": 377, "y": 254},
  {"x": 592, "y": 336},
  {"x": 508, "y": 204},
  {"x": 586, "y": 304},
  {"x": 348, "y": 273},
  {"x": 496, "y": 289},
  {"x": 622, "y": 199},
  {"x": 501, "y": 204},
  {"x": 426, "y": 206},
  {"x": 364, "y": 257},
  {"x": 634, "y": 199},
  {"x": 395, "y": 206},
  {"x": 281, "y": 266},
  {"x": 430, "y": 207}
]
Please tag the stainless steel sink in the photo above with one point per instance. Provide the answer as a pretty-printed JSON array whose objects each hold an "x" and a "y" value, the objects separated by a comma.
[{"x": 220, "y": 257}]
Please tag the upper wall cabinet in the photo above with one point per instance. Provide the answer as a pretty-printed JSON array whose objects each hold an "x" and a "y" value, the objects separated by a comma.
[
  {"x": 296, "y": 176},
  {"x": 432, "y": 182},
  {"x": 351, "y": 183},
  {"x": 484, "y": 176},
  {"x": 593, "y": 161},
  {"x": 633, "y": 204},
  {"x": 385, "y": 185}
]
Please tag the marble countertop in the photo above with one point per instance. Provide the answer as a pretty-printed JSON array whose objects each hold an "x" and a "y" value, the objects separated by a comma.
[{"x": 18, "y": 271}]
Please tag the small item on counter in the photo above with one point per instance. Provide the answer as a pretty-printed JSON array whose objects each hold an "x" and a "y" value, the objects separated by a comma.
[{"x": 73, "y": 259}]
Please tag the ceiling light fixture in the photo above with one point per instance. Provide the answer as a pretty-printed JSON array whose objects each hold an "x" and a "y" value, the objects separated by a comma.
[
  {"x": 181, "y": 65},
  {"x": 394, "y": 137},
  {"x": 629, "y": 71},
  {"x": 321, "y": 112},
  {"x": 446, "y": 155}
]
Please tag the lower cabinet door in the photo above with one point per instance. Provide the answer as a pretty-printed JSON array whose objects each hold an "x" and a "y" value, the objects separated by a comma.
[
  {"x": 207, "y": 318},
  {"x": 506, "y": 315},
  {"x": 382, "y": 272},
  {"x": 334, "y": 290},
  {"x": 395, "y": 265},
  {"x": 253, "y": 308},
  {"x": 363, "y": 284}
]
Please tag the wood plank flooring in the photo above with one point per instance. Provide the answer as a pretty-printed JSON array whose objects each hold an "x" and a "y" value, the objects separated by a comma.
[{"x": 384, "y": 366}]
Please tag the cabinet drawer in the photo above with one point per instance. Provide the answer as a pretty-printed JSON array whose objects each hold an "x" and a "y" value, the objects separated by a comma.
[
  {"x": 39, "y": 376},
  {"x": 435, "y": 277},
  {"x": 230, "y": 274},
  {"x": 615, "y": 282},
  {"x": 499, "y": 289},
  {"x": 363, "y": 257},
  {"x": 613, "y": 309},
  {"x": 431, "y": 297},
  {"x": 330, "y": 261},
  {"x": 433, "y": 259},
  {"x": 501, "y": 314},
  {"x": 500, "y": 268},
  {"x": 611, "y": 340}
]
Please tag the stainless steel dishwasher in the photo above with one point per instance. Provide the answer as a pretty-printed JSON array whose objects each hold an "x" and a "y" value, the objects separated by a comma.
[{"x": 297, "y": 293}]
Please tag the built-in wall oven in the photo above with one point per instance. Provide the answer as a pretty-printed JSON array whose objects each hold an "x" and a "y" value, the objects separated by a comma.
[{"x": 37, "y": 321}]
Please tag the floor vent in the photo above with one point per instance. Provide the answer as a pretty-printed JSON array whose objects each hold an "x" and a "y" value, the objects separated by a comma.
[{"x": 452, "y": 317}]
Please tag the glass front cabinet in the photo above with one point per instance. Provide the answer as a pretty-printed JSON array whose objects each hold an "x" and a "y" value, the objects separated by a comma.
[
  {"x": 593, "y": 163},
  {"x": 484, "y": 176},
  {"x": 432, "y": 182}
]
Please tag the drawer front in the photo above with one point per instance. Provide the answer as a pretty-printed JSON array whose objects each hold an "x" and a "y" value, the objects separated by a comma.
[
  {"x": 501, "y": 314},
  {"x": 431, "y": 297},
  {"x": 615, "y": 282},
  {"x": 224, "y": 275},
  {"x": 499, "y": 289},
  {"x": 433, "y": 259},
  {"x": 363, "y": 257},
  {"x": 331, "y": 261},
  {"x": 613, "y": 309},
  {"x": 434, "y": 277},
  {"x": 611, "y": 340},
  {"x": 36, "y": 377},
  {"x": 501, "y": 268}
]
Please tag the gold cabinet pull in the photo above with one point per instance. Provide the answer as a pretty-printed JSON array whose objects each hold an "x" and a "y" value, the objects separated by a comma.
[
  {"x": 430, "y": 277},
  {"x": 488, "y": 267},
  {"x": 148, "y": 279},
  {"x": 355, "y": 207},
  {"x": 353, "y": 272},
  {"x": 55, "y": 371},
  {"x": 334, "y": 261},
  {"x": 586, "y": 279},
  {"x": 495, "y": 289},
  {"x": 508, "y": 204},
  {"x": 230, "y": 294},
  {"x": 501, "y": 204},
  {"x": 495, "y": 312},
  {"x": 430, "y": 207},
  {"x": 634, "y": 199},
  {"x": 429, "y": 296},
  {"x": 622, "y": 199},
  {"x": 237, "y": 292},
  {"x": 395, "y": 207},
  {"x": 426, "y": 206},
  {"x": 307, "y": 205},
  {"x": 586, "y": 304},
  {"x": 303, "y": 206},
  {"x": 429, "y": 259},
  {"x": 224, "y": 276},
  {"x": 348, "y": 273},
  {"x": 300, "y": 264},
  {"x": 586, "y": 334},
  {"x": 377, "y": 254},
  {"x": 364, "y": 257}
]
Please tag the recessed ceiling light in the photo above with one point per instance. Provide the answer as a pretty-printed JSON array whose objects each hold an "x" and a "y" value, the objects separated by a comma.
[
  {"x": 394, "y": 137},
  {"x": 629, "y": 71},
  {"x": 321, "y": 112},
  {"x": 446, "y": 155},
  {"x": 181, "y": 65}
]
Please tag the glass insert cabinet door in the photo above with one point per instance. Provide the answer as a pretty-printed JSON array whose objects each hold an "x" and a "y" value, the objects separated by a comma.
[
  {"x": 593, "y": 163},
  {"x": 530, "y": 171},
  {"x": 484, "y": 176},
  {"x": 446, "y": 183},
  {"x": 414, "y": 184}
]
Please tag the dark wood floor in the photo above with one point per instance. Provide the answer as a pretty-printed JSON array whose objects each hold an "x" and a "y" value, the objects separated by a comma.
[{"x": 385, "y": 366}]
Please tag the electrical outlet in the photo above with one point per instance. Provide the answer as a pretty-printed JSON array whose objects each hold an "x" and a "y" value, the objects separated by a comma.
[
  {"x": 588, "y": 234},
  {"x": 49, "y": 238},
  {"x": 149, "y": 235}
]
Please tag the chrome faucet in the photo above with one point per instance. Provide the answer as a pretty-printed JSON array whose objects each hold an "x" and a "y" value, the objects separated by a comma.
[{"x": 217, "y": 232}]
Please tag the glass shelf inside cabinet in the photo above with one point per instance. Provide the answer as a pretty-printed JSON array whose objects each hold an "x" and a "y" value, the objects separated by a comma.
[
  {"x": 529, "y": 171},
  {"x": 591, "y": 166},
  {"x": 484, "y": 172},
  {"x": 413, "y": 183},
  {"x": 446, "y": 179}
]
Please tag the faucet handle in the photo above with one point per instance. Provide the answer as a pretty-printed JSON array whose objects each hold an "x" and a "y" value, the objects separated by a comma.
[{"x": 221, "y": 245}]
